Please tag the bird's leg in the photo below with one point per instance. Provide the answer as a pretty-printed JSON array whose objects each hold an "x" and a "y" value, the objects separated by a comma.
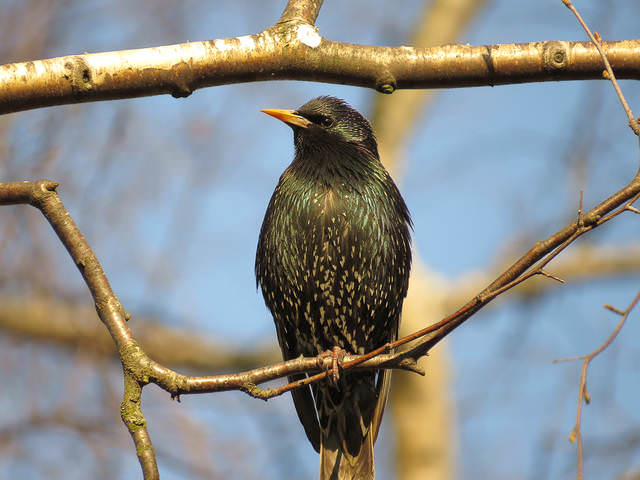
[
  {"x": 336, "y": 364},
  {"x": 336, "y": 354}
]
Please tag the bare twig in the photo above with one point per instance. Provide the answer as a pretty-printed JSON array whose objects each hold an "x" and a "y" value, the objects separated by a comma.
[
  {"x": 583, "y": 394},
  {"x": 544, "y": 273},
  {"x": 595, "y": 39}
]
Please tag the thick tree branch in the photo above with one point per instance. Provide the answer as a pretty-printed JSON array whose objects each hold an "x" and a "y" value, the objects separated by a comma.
[{"x": 295, "y": 51}]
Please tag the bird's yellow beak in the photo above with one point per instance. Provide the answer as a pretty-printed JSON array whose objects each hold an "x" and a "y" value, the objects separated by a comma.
[{"x": 290, "y": 117}]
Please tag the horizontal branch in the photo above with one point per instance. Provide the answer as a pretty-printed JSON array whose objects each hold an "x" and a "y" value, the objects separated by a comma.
[
  {"x": 136, "y": 362},
  {"x": 294, "y": 50},
  {"x": 178, "y": 384}
]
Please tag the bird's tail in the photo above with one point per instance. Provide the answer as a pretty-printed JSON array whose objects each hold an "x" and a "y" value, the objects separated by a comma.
[
  {"x": 350, "y": 417},
  {"x": 337, "y": 464}
]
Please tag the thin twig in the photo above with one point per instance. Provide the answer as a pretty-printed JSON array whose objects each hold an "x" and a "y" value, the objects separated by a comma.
[
  {"x": 583, "y": 394},
  {"x": 613, "y": 309},
  {"x": 595, "y": 39},
  {"x": 544, "y": 273}
]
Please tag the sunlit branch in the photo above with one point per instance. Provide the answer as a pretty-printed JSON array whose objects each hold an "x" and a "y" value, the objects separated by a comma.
[{"x": 295, "y": 50}]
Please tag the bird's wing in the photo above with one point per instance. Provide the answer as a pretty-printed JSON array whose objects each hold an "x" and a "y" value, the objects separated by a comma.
[
  {"x": 306, "y": 409},
  {"x": 302, "y": 398},
  {"x": 383, "y": 386}
]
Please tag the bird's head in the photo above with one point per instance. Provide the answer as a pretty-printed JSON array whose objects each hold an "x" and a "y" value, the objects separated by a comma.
[{"x": 328, "y": 123}]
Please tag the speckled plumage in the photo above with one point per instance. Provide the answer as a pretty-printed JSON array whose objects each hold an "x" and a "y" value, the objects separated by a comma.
[{"x": 333, "y": 262}]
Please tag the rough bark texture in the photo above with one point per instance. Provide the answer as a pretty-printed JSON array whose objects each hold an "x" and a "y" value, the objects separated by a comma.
[{"x": 295, "y": 50}]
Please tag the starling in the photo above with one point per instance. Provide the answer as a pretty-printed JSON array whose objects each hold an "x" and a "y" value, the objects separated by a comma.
[{"x": 333, "y": 261}]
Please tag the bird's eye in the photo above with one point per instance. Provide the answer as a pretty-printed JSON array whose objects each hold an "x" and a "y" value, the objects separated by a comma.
[{"x": 325, "y": 121}]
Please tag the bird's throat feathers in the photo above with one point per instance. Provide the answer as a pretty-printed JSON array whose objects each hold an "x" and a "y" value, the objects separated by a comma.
[{"x": 352, "y": 166}]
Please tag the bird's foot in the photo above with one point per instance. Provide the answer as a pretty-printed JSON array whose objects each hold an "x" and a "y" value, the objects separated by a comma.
[{"x": 337, "y": 354}]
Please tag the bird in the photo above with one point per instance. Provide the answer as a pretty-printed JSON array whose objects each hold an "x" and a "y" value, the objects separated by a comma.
[{"x": 333, "y": 262}]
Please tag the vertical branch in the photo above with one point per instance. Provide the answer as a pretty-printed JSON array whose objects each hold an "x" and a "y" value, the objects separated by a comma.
[
  {"x": 305, "y": 11},
  {"x": 132, "y": 416}
]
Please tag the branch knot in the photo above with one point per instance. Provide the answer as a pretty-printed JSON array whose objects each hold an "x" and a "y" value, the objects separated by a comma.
[{"x": 555, "y": 55}]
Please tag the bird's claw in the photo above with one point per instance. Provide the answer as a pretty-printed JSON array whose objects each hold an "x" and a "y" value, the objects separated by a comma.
[{"x": 336, "y": 354}]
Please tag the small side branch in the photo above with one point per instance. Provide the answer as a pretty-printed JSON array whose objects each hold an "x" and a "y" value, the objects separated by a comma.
[
  {"x": 583, "y": 394},
  {"x": 305, "y": 11},
  {"x": 597, "y": 41}
]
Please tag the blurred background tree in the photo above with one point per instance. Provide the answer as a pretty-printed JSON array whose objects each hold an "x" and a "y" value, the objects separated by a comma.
[{"x": 170, "y": 194}]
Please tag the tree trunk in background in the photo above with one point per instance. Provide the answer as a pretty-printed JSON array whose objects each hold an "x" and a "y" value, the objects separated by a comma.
[{"x": 421, "y": 408}]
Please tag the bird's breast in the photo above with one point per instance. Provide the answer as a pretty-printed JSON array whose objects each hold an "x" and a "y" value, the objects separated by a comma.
[{"x": 333, "y": 262}]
